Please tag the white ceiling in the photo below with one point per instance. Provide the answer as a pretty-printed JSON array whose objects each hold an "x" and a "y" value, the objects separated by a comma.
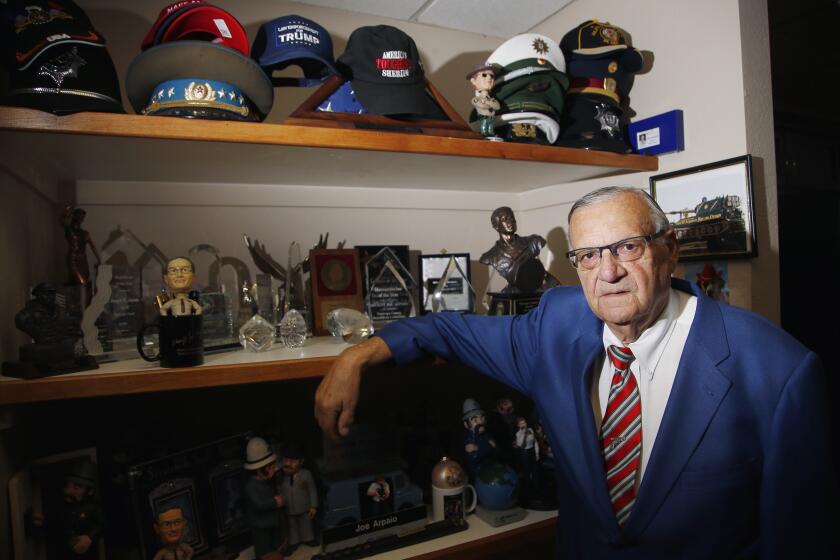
[{"x": 498, "y": 18}]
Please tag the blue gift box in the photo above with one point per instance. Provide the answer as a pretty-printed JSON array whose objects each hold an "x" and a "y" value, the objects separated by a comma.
[{"x": 661, "y": 134}]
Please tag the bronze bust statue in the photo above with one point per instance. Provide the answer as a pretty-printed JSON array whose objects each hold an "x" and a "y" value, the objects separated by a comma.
[{"x": 516, "y": 257}]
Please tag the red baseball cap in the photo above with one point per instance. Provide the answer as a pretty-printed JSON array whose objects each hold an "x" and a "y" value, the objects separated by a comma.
[{"x": 197, "y": 20}]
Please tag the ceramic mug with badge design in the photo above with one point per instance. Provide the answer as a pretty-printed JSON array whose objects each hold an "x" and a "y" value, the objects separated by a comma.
[{"x": 449, "y": 491}]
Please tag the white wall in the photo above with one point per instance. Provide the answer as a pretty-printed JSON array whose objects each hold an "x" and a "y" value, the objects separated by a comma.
[{"x": 698, "y": 67}]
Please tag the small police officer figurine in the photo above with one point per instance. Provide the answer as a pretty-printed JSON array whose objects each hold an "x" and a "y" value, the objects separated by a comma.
[
  {"x": 72, "y": 531},
  {"x": 262, "y": 501},
  {"x": 479, "y": 444},
  {"x": 482, "y": 78},
  {"x": 180, "y": 274}
]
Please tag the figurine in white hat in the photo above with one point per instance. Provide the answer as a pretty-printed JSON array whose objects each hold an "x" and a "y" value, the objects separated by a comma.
[{"x": 262, "y": 502}]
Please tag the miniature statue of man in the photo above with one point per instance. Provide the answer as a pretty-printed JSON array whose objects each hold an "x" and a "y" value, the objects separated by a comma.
[
  {"x": 482, "y": 78},
  {"x": 169, "y": 527},
  {"x": 180, "y": 274},
  {"x": 73, "y": 529},
  {"x": 502, "y": 422},
  {"x": 301, "y": 496},
  {"x": 527, "y": 451},
  {"x": 516, "y": 257},
  {"x": 78, "y": 240},
  {"x": 262, "y": 501},
  {"x": 40, "y": 318},
  {"x": 479, "y": 444}
]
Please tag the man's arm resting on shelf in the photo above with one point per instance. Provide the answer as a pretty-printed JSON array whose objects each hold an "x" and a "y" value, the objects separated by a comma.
[{"x": 338, "y": 393}]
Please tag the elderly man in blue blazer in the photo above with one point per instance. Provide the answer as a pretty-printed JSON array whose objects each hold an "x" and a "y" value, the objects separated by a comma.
[{"x": 681, "y": 427}]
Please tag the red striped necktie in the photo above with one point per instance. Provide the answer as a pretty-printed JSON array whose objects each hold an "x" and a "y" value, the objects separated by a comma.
[{"x": 621, "y": 434}]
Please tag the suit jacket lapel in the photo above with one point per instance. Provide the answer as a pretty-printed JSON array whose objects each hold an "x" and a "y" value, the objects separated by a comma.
[{"x": 699, "y": 388}]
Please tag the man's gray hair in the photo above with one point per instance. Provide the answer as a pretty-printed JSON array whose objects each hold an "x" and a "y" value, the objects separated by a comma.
[{"x": 657, "y": 216}]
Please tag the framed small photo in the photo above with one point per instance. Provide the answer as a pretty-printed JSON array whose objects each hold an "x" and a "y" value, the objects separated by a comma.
[
  {"x": 181, "y": 493},
  {"x": 227, "y": 481},
  {"x": 453, "y": 269},
  {"x": 710, "y": 208}
]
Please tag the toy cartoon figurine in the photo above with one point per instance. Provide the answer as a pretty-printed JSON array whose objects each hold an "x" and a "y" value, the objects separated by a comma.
[
  {"x": 180, "y": 274},
  {"x": 301, "y": 496},
  {"x": 527, "y": 455},
  {"x": 262, "y": 502},
  {"x": 169, "y": 527},
  {"x": 502, "y": 423},
  {"x": 479, "y": 444},
  {"x": 482, "y": 78},
  {"x": 73, "y": 530},
  {"x": 78, "y": 240}
]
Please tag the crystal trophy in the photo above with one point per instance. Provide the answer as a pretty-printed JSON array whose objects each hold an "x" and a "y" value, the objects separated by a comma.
[
  {"x": 257, "y": 335},
  {"x": 391, "y": 290},
  {"x": 292, "y": 329},
  {"x": 446, "y": 283},
  {"x": 349, "y": 325}
]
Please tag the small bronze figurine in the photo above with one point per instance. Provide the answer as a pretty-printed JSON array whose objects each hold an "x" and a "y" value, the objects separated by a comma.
[
  {"x": 169, "y": 527},
  {"x": 180, "y": 274},
  {"x": 57, "y": 341},
  {"x": 78, "y": 240}
]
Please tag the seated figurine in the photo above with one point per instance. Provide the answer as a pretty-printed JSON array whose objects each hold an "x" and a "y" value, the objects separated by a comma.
[
  {"x": 516, "y": 257},
  {"x": 179, "y": 277}
]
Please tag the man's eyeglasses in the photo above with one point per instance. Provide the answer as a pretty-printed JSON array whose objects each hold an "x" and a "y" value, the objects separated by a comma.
[
  {"x": 172, "y": 524},
  {"x": 626, "y": 250},
  {"x": 179, "y": 269}
]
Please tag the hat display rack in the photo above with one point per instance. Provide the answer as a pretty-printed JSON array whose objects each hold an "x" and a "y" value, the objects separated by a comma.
[{"x": 307, "y": 115}]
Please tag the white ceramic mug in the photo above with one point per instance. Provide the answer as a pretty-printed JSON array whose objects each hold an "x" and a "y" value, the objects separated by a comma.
[{"x": 452, "y": 502}]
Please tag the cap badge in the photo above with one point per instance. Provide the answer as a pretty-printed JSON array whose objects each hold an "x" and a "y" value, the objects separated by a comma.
[
  {"x": 607, "y": 119},
  {"x": 610, "y": 35},
  {"x": 60, "y": 67},
  {"x": 613, "y": 66},
  {"x": 540, "y": 46},
  {"x": 36, "y": 15}
]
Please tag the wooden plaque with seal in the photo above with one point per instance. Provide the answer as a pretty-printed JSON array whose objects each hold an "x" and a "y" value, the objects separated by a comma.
[{"x": 336, "y": 282}]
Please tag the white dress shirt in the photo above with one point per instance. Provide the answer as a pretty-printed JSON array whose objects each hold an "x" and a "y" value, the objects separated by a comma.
[{"x": 657, "y": 351}]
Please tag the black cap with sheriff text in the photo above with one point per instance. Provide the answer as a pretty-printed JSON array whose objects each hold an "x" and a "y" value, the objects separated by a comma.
[{"x": 384, "y": 65}]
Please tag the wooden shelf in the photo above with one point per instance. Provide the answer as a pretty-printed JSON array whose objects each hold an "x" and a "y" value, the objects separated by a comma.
[
  {"x": 478, "y": 541},
  {"x": 102, "y": 146},
  {"x": 236, "y": 367}
]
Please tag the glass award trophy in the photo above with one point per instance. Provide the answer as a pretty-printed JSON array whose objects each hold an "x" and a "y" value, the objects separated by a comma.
[
  {"x": 391, "y": 290},
  {"x": 446, "y": 283}
]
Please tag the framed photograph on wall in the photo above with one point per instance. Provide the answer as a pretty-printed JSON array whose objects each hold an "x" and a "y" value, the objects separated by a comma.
[{"x": 710, "y": 208}]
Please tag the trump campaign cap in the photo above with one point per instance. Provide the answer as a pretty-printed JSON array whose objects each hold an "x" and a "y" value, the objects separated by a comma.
[
  {"x": 197, "y": 20},
  {"x": 384, "y": 66},
  {"x": 295, "y": 40}
]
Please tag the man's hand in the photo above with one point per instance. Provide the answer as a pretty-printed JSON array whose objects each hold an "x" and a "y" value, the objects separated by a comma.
[
  {"x": 82, "y": 544},
  {"x": 338, "y": 393}
]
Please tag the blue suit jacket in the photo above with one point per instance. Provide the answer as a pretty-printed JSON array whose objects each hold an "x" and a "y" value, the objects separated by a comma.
[{"x": 741, "y": 467}]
